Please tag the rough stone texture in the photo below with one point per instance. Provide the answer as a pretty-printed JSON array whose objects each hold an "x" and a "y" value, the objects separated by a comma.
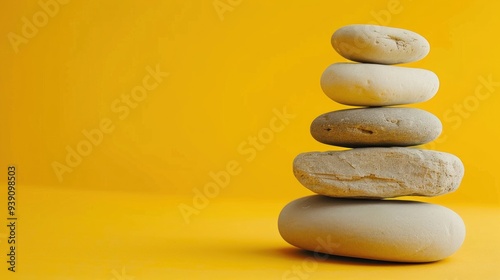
[
  {"x": 376, "y": 127},
  {"x": 388, "y": 230},
  {"x": 379, "y": 172},
  {"x": 379, "y": 44},
  {"x": 361, "y": 84}
]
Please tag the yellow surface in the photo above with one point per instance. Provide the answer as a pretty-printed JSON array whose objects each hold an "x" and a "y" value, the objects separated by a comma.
[
  {"x": 70, "y": 234},
  {"x": 112, "y": 159}
]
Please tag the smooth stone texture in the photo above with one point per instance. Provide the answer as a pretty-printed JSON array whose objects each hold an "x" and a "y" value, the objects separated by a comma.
[
  {"x": 388, "y": 230},
  {"x": 376, "y": 127},
  {"x": 379, "y": 44},
  {"x": 361, "y": 84},
  {"x": 379, "y": 172}
]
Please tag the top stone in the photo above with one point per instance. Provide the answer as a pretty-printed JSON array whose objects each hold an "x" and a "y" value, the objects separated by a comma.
[{"x": 379, "y": 44}]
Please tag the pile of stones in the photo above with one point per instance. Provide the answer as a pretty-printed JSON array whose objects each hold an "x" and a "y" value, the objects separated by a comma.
[{"x": 355, "y": 213}]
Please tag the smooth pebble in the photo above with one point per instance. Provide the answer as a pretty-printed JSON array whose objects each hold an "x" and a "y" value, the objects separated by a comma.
[
  {"x": 376, "y": 127},
  {"x": 388, "y": 230},
  {"x": 379, "y": 44},
  {"x": 361, "y": 84}
]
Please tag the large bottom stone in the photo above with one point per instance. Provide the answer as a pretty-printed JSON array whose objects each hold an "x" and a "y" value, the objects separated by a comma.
[{"x": 388, "y": 230}]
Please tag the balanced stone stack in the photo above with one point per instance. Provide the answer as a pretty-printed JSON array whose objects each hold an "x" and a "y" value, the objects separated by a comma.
[{"x": 354, "y": 215}]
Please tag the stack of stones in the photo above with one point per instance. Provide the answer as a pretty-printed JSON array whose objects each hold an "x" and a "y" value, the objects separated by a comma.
[{"x": 354, "y": 214}]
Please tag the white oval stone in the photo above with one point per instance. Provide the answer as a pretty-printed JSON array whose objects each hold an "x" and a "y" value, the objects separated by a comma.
[
  {"x": 388, "y": 230},
  {"x": 360, "y": 84},
  {"x": 379, "y": 44},
  {"x": 379, "y": 172}
]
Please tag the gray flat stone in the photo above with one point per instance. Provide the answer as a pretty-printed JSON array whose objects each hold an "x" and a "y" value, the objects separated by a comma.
[{"x": 376, "y": 127}]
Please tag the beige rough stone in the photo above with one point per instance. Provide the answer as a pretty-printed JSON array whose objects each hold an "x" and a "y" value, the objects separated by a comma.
[
  {"x": 379, "y": 44},
  {"x": 379, "y": 172},
  {"x": 376, "y": 127},
  {"x": 388, "y": 230}
]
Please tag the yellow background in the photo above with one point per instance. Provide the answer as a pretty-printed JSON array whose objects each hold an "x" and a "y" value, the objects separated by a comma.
[{"x": 229, "y": 72}]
